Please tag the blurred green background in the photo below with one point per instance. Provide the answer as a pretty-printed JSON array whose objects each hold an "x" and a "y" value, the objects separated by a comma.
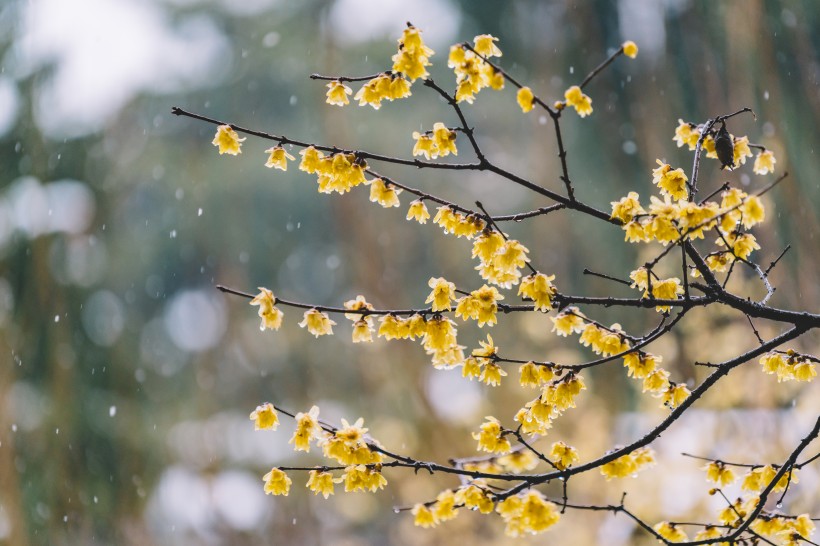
[{"x": 127, "y": 378}]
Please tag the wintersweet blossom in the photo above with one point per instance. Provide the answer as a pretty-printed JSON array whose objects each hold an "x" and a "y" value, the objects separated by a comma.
[
  {"x": 578, "y": 100},
  {"x": 271, "y": 316},
  {"x": 630, "y": 49},
  {"x": 317, "y": 323},
  {"x": 227, "y": 140},
  {"x": 276, "y": 482},
  {"x": 278, "y": 158},
  {"x": 418, "y": 212},
  {"x": 525, "y": 99},
  {"x": 337, "y": 93},
  {"x": 764, "y": 162},
  {"x": 265, "y": 417}
]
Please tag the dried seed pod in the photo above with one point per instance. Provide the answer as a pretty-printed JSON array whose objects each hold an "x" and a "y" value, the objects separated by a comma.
[{"x": 724, "y": 147}]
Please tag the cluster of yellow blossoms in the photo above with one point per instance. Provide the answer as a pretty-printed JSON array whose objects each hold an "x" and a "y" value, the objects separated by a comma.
[
  {"x": 457, "y": 223},
  {"x": 668, "y": 221},
  {"x": 788, "y": 366},
  {"x": 345, "y": 445},
  {"x": 787, "y": 529},
  {"x": 409, "y": 64},
  {"x": 612, "y": 341},
  {"x": 663, "y": 289},
  {"x": 526, "y": 513},
  {"x": 500, "y": 259},
  {"x": 688, "y": 134},
  {"x": 755, "y": 480},
  {"x": 472, "y": 73},
  {"x": 629, "y": 464},
  {"x": 440, "y": 142},
  {"x": 557, "y": 396}
]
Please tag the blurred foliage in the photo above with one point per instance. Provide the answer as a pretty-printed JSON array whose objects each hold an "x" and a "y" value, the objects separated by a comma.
[{"x": 128, "y": 378}]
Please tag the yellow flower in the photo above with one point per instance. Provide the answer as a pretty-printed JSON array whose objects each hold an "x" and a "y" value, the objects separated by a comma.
[
  {"x": 764, "y": 162},
  {"x": 527, "y": 513},
  {"x": 418, "y": 212},
  {"x": 571, "y": 320},
  {"x": 491, "y": 374},
  {"x": 675, "y": 395},
  {"x": 445, "y": 140},
  {"x": 363, "y": 478},
  {"x": 362, "y": 331},
  {"x": 310, "y": 159},
  {"x": 337, "y": 93},
  {"x": 539, "y": 288},
  {"x": 564, "y": 455},
  {"x": 473, "y": 496},
  {"x": 271, "y": 316},
  {"x": 457, "y": 56},
  {"x": 741, "y": 244},
  {"x": 423, "y": 516},
  {"x": 775, "y": 363},
  {"x": 227, "y": 140},
  {"x": 471, "y": 368},
  {"x": 630, "y": 49},
  {"x": 485, "y": 45},
  {"x": 413, "y": 55},
  {"x": 464, "y": 92},
  {"x": 358, "y": 304},
  {"x": 278, "y": 158},
  {"x": 518, "y": 461},
  {"x": 276, "y": 482},
  {"x": 425, "y": 145},
  {"x": 709, "y": 532},
  {"x": 804, "y": 371},
  {"x": 490, "y": 438},
  {"x": 321, "y": 482},
  {"x": 384, "y": 194},
  {"x": 719, "y": 262},
  {"x": 317, "y": 323},
  {"x": 670, "y": 532},
  {"x": 671, "y": 182},
  {"x": 525, "y": 99},
  {"x": 639, "y": 365},
  {"x": 741, "y": 150},
  {"x": 443, "y": 292},
  {"x": 657, "y": 381},
  {"x": 627, "y": 208},
  {"x": 685, "y": 133},
  {"x": 416, "y": 326},
  {"x": 399, "y": 88},
  {"x": 496, "y": 79},
  {"x": 480, "y": 305},
  {"x": 390, "y": 327},
  {"x": 486, "y": 245},
  {"x": 440, "y": 335},
  {"x": 636, "y": 232},
  {"x": 620, "y": 468},
  {"x": 530, "y": 375},
  {"x": 752, "y": 211},
  {"x": 444, "y": 508},
  {"x": 709, "y": 146},
  {"x": 374, "y": 91},
  {"x": 307, "y": 425},
  {"x": 265, "y": 417},
  {"x": 719, "y": 473},
  {"x": 576, "y": 98},
  {"x": 561, "y": 395}
]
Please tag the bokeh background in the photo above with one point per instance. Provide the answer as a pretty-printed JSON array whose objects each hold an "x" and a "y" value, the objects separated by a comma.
[{"x": 126, "y": 378}]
